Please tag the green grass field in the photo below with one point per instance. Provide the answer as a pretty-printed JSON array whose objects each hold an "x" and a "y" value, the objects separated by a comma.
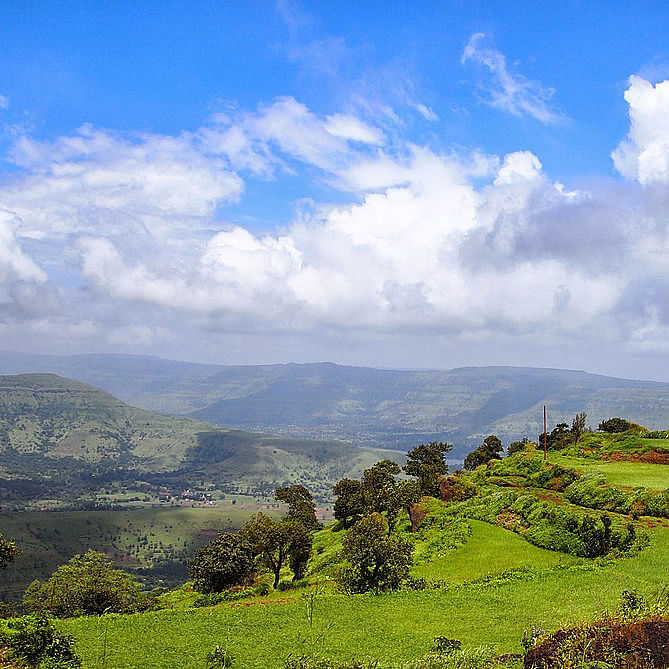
[
  {"x": 391, "y": 627},
  {"x": 619, "y": 473},
  {"x": 490, "y": 550}
]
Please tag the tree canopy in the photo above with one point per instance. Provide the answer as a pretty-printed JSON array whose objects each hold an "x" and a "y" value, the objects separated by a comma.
[
  {"x": 226, "y": 561},
  {"x": 87, "y": 585},
  {"x": 490, "y": 449},
  {"x": 378, "y": 561},
  {"x": 275, "y": 542},
  {"x": 427, "y": 463},
  {"x": 8, "y": 552},
  {"x": 301, "y": 506}
]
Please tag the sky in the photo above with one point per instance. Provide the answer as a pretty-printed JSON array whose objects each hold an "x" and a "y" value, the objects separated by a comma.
[{"x": 390, "y": 184}]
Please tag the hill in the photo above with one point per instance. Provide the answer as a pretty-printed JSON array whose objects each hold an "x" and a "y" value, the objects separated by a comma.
[
  {"x": 491, "y": 583},
  {"x": 370, "y": 407},
  {"x": 66, "y": 441}
]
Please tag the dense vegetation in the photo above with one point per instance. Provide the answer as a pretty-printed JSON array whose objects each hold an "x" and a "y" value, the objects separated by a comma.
[{"x": 419, "y": 570}]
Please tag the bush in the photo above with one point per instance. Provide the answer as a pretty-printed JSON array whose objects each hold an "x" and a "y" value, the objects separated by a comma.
[
  {"x": 285, "y": 585},
  {"x": 613, "y": 425},
  {"x": 220, "y": 658},
  {"x": 226, "y": 561},
  {"x": 35, "y": 641},
  {"x": 87, "y": 585},
  {"x": 263, "y": 589},
  {"x": 208, "y": 599},
  {"x": 378, "y": 562}
]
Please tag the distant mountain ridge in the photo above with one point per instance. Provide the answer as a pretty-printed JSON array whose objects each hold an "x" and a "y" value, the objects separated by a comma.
[
  {"x": 62, "y": 439},
  {"x": 366, "y": 406}
]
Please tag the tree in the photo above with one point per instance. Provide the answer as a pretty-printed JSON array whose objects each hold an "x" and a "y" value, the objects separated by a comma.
[
  {"x": 517, "y": 446},
  {"x": 273, "y": 542},
  {"x": 490, "y": 449},
  {"x": 559, "y": 437},
  {"x": 87, "y": 585},
  {"x": 578, "y": 425},
  {"x": 350, "y": 504},
  {"x": 381, "y": 493},
  {"x": 8, "y": 552},
  {"x": 427, "y": 463},
  {"x": 378, "y": 561},
  {"x": 301, "y": 506},
  {"x": 228, "y": 560},
  {"x": 615, "y": 425}
]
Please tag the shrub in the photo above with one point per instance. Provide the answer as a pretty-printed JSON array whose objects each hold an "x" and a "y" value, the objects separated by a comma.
[
  {"x": 263, "y": 589},
  {"x": 35, "y": 641},
  {"x": 614, "y": 425},
  {"x": 285, "y": 585},
  {"x": 87, "y": 585},
  {"x": 220, "y": 658},
  {"x": 378, "y": 561},
  {"x": 208, "y": 599},
  {"x": 226, "y": 561}
]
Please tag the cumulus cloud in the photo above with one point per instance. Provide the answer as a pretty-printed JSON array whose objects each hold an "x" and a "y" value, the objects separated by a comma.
[
  {"x": 469, "y": 245},
  {"x": 644, "y": 155},
  {"x": 512, "y": 93}
]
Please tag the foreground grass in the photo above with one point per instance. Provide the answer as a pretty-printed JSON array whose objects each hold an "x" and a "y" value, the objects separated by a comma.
[{"x": 392, "y": 627}]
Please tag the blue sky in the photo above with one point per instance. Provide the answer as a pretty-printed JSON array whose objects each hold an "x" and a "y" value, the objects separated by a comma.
[{"x": 191, "y": 180}]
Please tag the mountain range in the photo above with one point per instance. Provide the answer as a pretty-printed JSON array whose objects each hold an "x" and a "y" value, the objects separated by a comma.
[{"x": 367, "y": 407}]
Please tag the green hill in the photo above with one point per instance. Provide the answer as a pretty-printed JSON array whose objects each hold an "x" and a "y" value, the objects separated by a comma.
[
  {"x": 65, "y": 441},
  {"x": 370, "y": 407}
]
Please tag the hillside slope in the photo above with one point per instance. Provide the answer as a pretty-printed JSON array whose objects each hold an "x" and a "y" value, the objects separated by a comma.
[
  {"x": 371, "y": 407},
  {"x": 60, "y": 438}
]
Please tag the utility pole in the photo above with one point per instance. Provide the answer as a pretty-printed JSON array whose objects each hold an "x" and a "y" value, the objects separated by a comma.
[{"x": 545, "y": 449}]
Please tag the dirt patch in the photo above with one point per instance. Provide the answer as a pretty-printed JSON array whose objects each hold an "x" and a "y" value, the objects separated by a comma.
[
  {"x": 651, "y": 457},
  {"x": 281, "y": 600},
  {"x": 634, "y": 645},
  {"x": 510, "y": 521},
  {"x": 550, "y": 498}
]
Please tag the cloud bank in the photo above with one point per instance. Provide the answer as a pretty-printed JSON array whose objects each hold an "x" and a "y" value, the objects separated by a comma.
[{"x": 107, "y": 239}]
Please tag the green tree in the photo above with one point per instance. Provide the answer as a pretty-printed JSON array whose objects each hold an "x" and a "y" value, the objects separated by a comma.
[
  {"x": 301, "y": 506},
  {"x": 427, "y": 463},
  {"x": 381, "y": 492},
  {"x": 378, "y": 561},
  {"x": 578, "y": 425},
  {"x": 559, "y": 437},
  {"x": 228, "y": 560},
  {"x": 517, "y": 446},
  {"x": 615, "y": 425},
  {"x": 490, "y": 449},
  {"x": 8, "y": 552},
  {"x": 275, "y": 542},
  {"x": 350, "y": 504},
  {"x": 87, "y": 585}
]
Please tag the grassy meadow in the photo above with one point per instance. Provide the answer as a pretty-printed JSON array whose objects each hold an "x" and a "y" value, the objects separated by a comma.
[{"x": 388, "y": 627}]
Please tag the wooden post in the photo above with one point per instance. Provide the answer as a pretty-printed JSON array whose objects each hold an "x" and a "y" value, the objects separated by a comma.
[{"x": 545, "y": 449}]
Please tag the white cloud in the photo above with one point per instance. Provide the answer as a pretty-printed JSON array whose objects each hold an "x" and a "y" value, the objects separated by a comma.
[
  {"x": 511, "y": 93},
  {"x": 126, "y": 235},
  {"x": 14, "y": 263},
  {"x": 644, "y": 155},
  {"x": 4, "y": 102},
  {"x": 349, "y": 127},
  {"x": 427, "y": 113}
]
